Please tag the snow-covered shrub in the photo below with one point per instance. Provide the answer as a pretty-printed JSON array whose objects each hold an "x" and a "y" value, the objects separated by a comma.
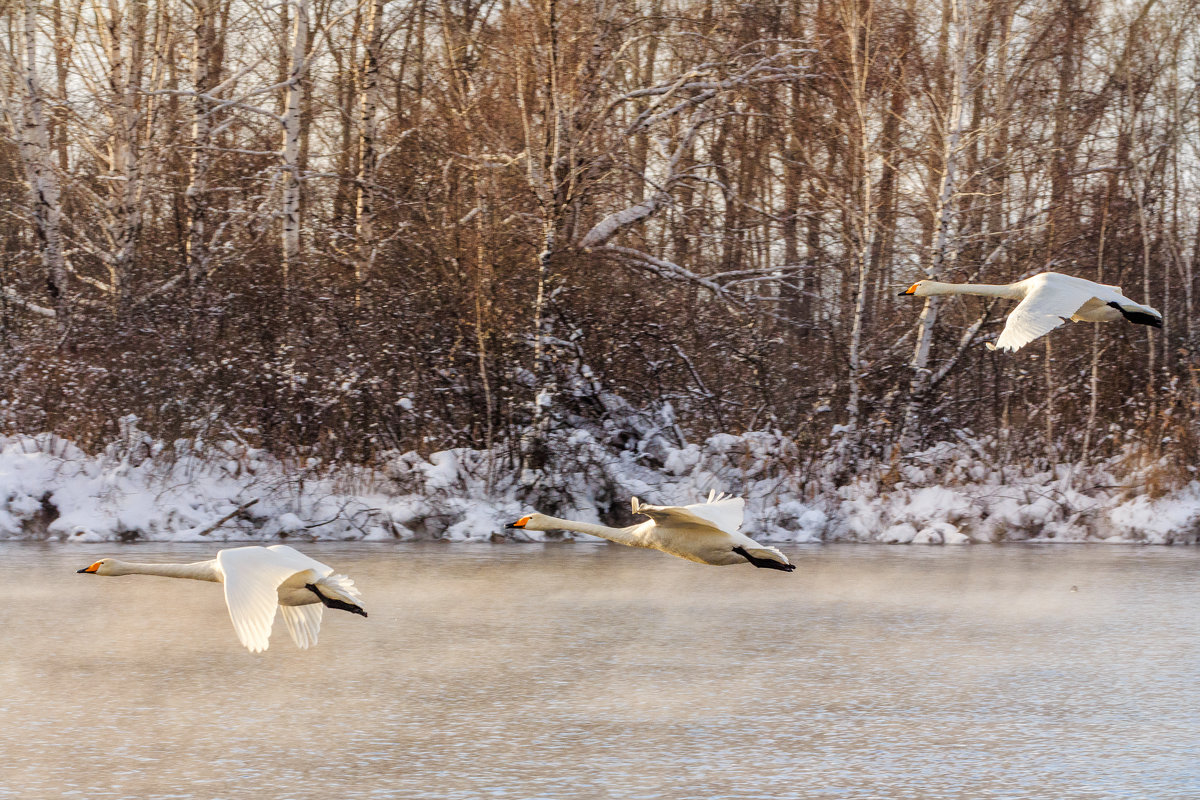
[{"x": 140, "y": 488}]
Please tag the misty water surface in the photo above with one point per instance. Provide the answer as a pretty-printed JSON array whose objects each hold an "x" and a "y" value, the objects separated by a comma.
[{"x": 582, "y": 671}]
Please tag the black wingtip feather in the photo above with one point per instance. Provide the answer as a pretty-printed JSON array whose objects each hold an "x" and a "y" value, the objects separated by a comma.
[{"x": 1139, "y": 317}]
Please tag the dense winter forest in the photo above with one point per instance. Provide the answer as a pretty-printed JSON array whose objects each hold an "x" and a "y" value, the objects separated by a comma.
[{"x": 573, "y": 245}]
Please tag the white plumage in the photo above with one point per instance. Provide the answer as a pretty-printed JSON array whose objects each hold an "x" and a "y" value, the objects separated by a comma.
[
  {"x": 257, "y": 581},
  {"x": 703, "y": 532},
  {"x": 1048, "y": 299}
]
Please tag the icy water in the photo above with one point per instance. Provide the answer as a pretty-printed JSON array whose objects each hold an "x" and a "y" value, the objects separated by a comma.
[{"x": 581, "y": 671}]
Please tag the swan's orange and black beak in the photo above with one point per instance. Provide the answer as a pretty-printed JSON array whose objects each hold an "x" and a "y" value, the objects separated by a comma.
[
  {"x": 521, "y": 523},
  {"x": 910, "y": 290},
  {"x": 89, "y": 570}
]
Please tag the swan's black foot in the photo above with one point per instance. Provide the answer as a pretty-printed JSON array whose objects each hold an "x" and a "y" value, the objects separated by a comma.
[
  {"x": 330, "y": 602},
  {"x": 764, "y": 563}
]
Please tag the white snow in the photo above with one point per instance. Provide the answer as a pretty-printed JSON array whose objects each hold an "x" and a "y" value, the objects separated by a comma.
[{"x": 138, "y": 488}]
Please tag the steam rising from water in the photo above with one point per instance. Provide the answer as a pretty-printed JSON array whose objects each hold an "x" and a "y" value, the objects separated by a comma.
[{"x": 582, "y": 671}]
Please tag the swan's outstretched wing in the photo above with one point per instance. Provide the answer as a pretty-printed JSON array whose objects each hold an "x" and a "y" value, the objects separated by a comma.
[
  {"x": 299, "y": 560},
  {"x": 1049, "y": 305},
  {"x": 722, "y": 513},
  {"x": 252, "y": 578},
  {"x": 303, "y": 623}
]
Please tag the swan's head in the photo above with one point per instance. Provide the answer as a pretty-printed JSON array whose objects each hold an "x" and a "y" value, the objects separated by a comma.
[
  {"x": 533, "y": 522},
  {"x": 920, "y": 289},
  {"x": 102, "y": 567}
]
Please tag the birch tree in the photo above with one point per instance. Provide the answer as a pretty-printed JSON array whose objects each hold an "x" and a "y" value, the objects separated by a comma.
[
  {"x": 43, "y": 180},
  {"x": 292, "y": 107},
  {"x": 366, "y": 238},
  {"x": 123, "y": 37},
  {"x": 205, "y": 76},
  {"x": 856, "y": 19},
  {"x": 943, "y": 252}
]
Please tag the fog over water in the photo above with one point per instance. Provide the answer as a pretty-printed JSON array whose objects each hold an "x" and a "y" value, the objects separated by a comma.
[{"x": 584, "y": 671}]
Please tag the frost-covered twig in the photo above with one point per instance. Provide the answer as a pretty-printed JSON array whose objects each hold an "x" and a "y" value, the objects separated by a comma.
[
  {"x": 227, "y": 517},
  {"x": 608, "y": 227},
  {"x": 964, "y": 342},
  {"x": 665, "y": 269},
  {"x": 17, "y": 299}
]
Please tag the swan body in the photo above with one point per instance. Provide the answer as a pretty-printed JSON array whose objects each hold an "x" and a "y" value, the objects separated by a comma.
[
  {"x": 259, "y": 580},
  {"x": 1048, "y": 299},
  {"x": 703, "y": 532}
]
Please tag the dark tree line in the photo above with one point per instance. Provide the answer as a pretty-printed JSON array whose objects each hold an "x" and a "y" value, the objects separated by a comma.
[{"x": 336, "y": 229}]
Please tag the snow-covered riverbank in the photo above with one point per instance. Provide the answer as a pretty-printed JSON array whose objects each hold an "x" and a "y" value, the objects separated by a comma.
[{"x": 140, "y": 489}]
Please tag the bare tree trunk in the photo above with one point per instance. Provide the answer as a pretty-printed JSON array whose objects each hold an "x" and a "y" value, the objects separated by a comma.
[
  {"x": 643, "y": 65},
  {"x": 794, "y": 291},
  {"x": 857, "y": 29},
  {"x": 995, "y": 178},
  {"x": 681, "y": 233},
  {"x": 543, "y": 173},
  {"x": 43, "y": 180},
  {"x": 203, "y": 81},
  {"x": 483, "y": 309},
  {"x": 946, "y": 213},
  {"x": 881, "y": 255},
  {"x": 291, "y": 142},
  {"x": 1138, "y": 187},
  {"x": 1048, "y": 376},
  {"x": 862, "y": 265},
  {"x": 366, "y": 240},
  {"x": 1094, "y": 378},
  {"x": 64, "y": 42},
  {"x": 349, "y": 98},
  {"x": 282, "y": 53},
  {"x": 1064, "y": 136},
  {"x": 124, "y": 42}
]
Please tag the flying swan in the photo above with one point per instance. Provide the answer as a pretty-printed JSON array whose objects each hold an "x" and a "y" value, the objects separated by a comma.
[
  {"x": 705, "y": 532},
  {"x": 257, "y": 581},
  {"x": 1048, "y": 299}
]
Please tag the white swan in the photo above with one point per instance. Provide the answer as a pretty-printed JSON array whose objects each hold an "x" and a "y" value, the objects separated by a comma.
[
  {"x": 1048, "y": 299},
  {"x": 705, "y": 532},
  {"x": 257, "y": 581}
]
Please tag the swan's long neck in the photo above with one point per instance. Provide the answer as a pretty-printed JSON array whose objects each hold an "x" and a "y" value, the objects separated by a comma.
[
  {"x": 982, "y": 289},
  {"x": 199, "y": 571},
  {"x": 618, "y": 535}
]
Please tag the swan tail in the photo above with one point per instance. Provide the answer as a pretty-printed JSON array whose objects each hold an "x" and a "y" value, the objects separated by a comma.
[{"x": 339, "y": 591}]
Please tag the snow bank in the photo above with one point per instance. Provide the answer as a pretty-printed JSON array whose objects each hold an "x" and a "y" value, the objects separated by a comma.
[{"x": 142, "y": 489}]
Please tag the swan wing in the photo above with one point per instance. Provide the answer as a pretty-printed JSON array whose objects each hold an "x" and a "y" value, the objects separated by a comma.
[
  {"x": 299, "y": 560},
  {"x": 252, "y": 578},
  {"x": 1048, "y": 306},
  {"x": 303, "y": 623},
  {"x": 722, "y": 513}
]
